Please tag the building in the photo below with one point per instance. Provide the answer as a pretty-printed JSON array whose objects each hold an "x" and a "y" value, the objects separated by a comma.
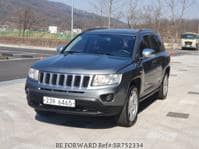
[{"x": 52, "y": 29}]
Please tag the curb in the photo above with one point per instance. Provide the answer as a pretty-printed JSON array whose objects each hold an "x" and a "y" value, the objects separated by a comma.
[
  {"x": 11, "y": 82},
  {"x": 26, "y": 47}
]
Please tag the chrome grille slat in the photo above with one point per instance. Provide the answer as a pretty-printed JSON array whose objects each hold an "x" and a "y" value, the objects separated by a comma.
[
  {"x": 51, "y": 77},
  {"x": 81, "y": 81},
  {"x": 90, "y": 80},
  {"x": 73, "y": 81},
  {"x": 57, "y": 81},
  {"x": 70, "y": 81},
  {"x": 44, "y": 78},
  {"x": 65, "y": 79}
]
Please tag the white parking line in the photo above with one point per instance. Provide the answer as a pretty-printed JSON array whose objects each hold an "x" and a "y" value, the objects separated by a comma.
[
  {"x": 27, "y": 47},
  {"x": 21, "y": 52},
  {"x": 11, "y": 82},
  {"x": 19, "y": 59}
]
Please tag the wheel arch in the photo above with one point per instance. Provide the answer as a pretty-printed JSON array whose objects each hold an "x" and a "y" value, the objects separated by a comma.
[
  {"x": 167, "y": 70},
  {"x": 137, "y": 83}
]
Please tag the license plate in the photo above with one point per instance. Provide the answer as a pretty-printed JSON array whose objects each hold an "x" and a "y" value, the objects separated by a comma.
[{"x": 59, "y": 102}]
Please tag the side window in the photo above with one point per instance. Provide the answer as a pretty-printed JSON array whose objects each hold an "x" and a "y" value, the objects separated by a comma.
[
  {"x": 145, "y": 43},
  {"x": 156, "y": 43},
  {"x": 160, "y": 43}
]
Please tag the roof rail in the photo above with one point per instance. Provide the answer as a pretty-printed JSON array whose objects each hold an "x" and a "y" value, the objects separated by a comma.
[
  {"x": 96, "y": 28},
  {"x": 146, "y": 29}
]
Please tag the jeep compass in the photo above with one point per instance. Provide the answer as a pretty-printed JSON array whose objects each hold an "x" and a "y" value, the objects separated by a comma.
[{"x": 101, "y": 72}]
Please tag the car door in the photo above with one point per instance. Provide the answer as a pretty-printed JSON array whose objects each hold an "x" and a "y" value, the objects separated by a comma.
[
  {"x": 157, "y": 60},
  {"x": 147, "y": 66},
  {"x": 151, "y": 66}
]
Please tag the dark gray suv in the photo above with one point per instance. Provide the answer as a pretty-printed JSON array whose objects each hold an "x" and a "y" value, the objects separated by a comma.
[{"x": 101, "y": 72}]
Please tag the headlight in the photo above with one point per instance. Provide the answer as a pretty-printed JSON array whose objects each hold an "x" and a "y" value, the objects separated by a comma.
[
  {"x": 103, "y": 80},
  {"x": 33, "y": 74}
]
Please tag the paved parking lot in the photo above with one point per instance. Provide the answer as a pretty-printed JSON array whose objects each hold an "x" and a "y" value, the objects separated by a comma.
[
  {"x": 22, "y": 53},
  {"x": 172, "y": 123},
  {"x": 19, "y": 61}
]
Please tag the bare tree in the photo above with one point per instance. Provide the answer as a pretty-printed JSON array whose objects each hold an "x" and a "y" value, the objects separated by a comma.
[
  {"x": 157, "y": 12},
  {"x": 98, "y": 7},
  {"x": 149, "y": 14},
  {"x": 132, "y": 14},
  {"x": 108, "y": 8},
  {"x": 177, "y": 8},
  {"x": 26, "y": 19}
]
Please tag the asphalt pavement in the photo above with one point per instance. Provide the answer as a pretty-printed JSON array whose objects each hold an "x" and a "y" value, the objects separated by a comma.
[
  {"x": 165, "y": 124},
  {"x": 19, "y": 61},
  {"x": 172, "y": 123}
]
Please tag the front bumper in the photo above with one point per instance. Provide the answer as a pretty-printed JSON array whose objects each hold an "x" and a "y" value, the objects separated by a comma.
[
  {"x": 191, "y": 45},
  {"x": 88, "y": 102}
]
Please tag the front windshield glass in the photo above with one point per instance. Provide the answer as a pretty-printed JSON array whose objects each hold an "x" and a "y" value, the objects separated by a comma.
[
  {"x": 188, "y": 36},
  {"x": 107, "y": 44}
]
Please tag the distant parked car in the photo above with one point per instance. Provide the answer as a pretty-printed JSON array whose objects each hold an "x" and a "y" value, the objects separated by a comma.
[
  {"x": 190, "y": 41},
  {"x": 102, "y": 72}
]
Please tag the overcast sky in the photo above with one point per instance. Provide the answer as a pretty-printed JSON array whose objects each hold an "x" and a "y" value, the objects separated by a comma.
[{"x": 192, "y": 12}]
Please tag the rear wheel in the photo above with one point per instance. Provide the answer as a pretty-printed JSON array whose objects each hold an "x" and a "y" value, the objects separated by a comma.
[
  {"x": 129, "y": 113},
  {"x": 164, "y": 87}
]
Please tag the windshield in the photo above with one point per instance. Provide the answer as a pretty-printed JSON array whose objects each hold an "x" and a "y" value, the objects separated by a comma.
[
  {"x": 188, "y": 36},
  {"x": 114, "y": 45}
]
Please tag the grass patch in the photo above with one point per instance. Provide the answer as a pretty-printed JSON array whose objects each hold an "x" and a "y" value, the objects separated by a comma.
[
  {"x": 41, "y": 42},
  {"x": 36, "y": 34},
  {"x": 35, "y": 38}
]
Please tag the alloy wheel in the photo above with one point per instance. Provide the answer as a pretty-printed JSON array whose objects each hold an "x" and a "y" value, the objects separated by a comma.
[{"x": 133, "y": 105}]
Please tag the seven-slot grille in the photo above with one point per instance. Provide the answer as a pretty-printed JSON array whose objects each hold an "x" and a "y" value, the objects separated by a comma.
[{"x": 64, "y": 80}]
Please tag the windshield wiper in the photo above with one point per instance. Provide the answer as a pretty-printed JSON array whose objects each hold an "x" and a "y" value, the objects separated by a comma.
[
  {"x": 103, "y": 53},
  {"x": 71, "y": 52}
]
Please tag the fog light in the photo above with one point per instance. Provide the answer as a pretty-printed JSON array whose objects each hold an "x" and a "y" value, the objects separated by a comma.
[{"x": 107, "y": 98}]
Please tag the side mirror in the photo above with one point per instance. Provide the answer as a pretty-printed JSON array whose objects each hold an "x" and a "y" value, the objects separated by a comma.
[
  {"x": 60, "y": 48},
  {"x": 148, "y": 53}
]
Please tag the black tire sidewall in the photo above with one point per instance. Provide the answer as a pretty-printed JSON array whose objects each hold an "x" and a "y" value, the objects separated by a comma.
[
  {"x": 161, "y": 92},
  {"x": 130, "y": 123}
]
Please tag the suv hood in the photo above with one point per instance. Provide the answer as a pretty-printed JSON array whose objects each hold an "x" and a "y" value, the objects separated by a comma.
[{"x": 83, "y": 64}]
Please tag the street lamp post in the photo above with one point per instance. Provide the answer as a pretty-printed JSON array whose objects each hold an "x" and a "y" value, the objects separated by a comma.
[{"x": 72, "y": 18}]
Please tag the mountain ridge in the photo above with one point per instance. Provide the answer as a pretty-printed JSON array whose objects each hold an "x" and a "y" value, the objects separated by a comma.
[{"x": 51, "y": 13}]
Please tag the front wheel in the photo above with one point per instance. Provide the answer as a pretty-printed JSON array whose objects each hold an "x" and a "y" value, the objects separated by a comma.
[
  {"x": 162, "y": 94},
  {"x": 129, "y": 113}
]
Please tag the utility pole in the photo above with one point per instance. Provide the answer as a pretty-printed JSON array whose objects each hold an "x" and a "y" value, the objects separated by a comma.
[
  {"x": 109, "y": 13},
  {"x": 72, "y": 18},
  {"x": 198, "y": 28}
]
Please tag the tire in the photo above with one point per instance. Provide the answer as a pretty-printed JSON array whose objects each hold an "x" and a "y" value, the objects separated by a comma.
[
  {"x": 128, "y": 116},
  {"x": 162, "y": 94}
]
